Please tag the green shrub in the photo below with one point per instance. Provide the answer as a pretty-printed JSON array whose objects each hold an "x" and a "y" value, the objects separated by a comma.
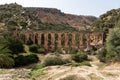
[
  {"x": 29, "y": 42},
  {"x": 6, "y": 61},
  {"x": 102, "y": 54},
  {"x": 70, "y": 51},
  {"x": 20, "y": 61},
  {"x": 32, "y": 58},
  {"x": 92, "y": 50},
  {"x": 34, "y": 48},
  {"x": 41, "y": 51},
  {"x": 25, "y": 60},
  {"x": 54, "y": 60},
  {"x": 112, "y": 50},
  {"x": 14, "y": 44},
  {"x": 113, "y": 40},
  {"x": 57, "y": 53},
  {"x": 113, "y": 44},
  {"x": 79, "y": 57}
]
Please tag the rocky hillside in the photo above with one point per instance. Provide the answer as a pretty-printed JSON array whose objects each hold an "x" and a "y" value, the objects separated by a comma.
[
  {"x": 55, "y": 16},
  {"x": 107, "y": 20},
  {"x": 15, "y": 16}
]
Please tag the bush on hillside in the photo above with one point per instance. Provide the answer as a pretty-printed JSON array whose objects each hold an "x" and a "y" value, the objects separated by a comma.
[
  {"x": 32, "y": 58},
  {"x": 29, "y": 42},
  {"x": 112, "y": 50},
  {"x": 80, "y": 57},
  {"x": 34, "y": 48},
  {"x": 102, "y": 54},
  {"x": 54, "y": 60},
  {"x": 104, "y": 23},
  {"x": 41, "y": 51},
  {"x": 72, "y": 51},
  {"x": 57, "y": 53},
  {"x": 113, "y": 40},
  {"x": 14, "y": 44},
  {"x": 6, "y": 61},
  {"x": 92, "y": 50},
  {"x": 25, "y": 60}
]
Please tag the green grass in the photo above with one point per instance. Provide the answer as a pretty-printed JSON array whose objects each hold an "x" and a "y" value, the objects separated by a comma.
[
  {"x": 37, "y": 73},
  {"x": 3, "y": 72},
  {"x": 38, "y": 67},
  {"x": 84, "y": 63}
]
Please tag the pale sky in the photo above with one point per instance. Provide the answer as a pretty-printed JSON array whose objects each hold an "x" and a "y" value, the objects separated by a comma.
[{"x": 79, "y": 7}]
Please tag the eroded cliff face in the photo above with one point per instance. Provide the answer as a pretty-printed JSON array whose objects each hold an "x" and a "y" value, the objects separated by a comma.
[{"x": 55, "y": 16}]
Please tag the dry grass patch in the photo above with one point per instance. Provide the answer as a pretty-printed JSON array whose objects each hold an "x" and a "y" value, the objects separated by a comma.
[
  {"x": 73, "y": 77},
  {"x": 2, "y": 71},
  {"x": 108, "y": 74},
  {"x": 95, "y": 77}
]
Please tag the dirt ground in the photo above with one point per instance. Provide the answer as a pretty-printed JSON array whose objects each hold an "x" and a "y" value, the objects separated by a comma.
[{"x": 98, "y": 71}]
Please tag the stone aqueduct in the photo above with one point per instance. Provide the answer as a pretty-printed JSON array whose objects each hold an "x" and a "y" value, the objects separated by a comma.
[{"x": 52, "y": 40}]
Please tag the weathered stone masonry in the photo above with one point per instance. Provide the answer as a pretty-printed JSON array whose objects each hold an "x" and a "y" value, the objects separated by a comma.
[{"x": 79, "y": 40}]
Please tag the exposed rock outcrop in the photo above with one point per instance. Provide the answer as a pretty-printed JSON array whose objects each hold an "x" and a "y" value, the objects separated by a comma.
[{"x": 55, "y": 16}]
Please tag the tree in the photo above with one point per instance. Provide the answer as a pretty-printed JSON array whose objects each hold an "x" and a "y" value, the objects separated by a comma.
[
  {"x": 14, "y": 44},
  {"x": 6, "y": 61},
  {"x": 113, "y": 44}
]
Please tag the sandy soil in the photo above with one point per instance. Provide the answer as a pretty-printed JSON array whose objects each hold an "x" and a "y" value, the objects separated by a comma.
[{"x": 98, "y": 71}]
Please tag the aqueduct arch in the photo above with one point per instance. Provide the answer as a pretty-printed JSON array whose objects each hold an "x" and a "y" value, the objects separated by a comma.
[{"x": 57, "y": 40}]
